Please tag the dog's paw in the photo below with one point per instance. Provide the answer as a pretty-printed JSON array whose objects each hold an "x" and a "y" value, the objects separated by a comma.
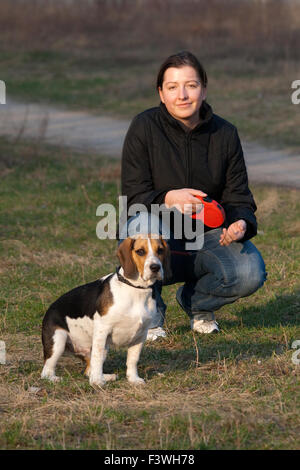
[
  {"x": 51, "y": 378},
  {"x": 97, "y": 383},
  {"x": 136, "y": 381},
  {"x": 110, "y": 377}
]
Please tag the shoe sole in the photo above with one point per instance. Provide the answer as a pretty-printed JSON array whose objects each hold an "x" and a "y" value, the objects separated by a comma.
[{"x": 215, "y": 332}]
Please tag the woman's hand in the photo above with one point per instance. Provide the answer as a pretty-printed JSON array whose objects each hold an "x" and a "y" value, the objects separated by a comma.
[
  {"x": 233, "y": 233},
  {"x": 184, "y": 197}
]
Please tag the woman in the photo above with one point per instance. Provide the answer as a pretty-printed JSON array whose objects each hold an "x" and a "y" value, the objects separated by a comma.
[{"x": 171, "y": 154}]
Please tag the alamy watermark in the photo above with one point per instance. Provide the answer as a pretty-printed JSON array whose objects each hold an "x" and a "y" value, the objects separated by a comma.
[
  {"x": 137, "y": 220},
  {"x": 2, "y": 92},
  {"x": 2, "y": 352},
  {"x": 295, "y": 358},
  {"x": 295, "y": 97}
]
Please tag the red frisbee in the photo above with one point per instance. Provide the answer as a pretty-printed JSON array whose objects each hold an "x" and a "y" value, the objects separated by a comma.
[{"x": 212, "y": 213}]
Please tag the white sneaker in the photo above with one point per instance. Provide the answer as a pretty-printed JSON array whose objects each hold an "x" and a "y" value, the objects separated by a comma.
[
  {"x": 204, "y": 326},
  {"x": 155, "y": 333}
]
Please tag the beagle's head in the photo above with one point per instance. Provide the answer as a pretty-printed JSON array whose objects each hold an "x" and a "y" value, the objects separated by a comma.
[{"x": 144, "y": 259}]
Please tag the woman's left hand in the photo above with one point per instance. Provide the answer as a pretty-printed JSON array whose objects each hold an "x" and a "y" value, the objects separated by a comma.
[{"x": 233, "y": 233}]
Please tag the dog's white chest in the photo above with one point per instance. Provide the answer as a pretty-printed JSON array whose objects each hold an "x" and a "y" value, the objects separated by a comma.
[{"x": 131, "y": 318}]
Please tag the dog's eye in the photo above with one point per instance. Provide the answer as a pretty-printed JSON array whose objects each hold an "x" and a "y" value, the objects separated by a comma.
[
  {"x": 160, "y": 251},
  {"x": 140, "y": 252}
]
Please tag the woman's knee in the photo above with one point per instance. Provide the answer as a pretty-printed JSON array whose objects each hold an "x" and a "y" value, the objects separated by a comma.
[{"x": 251, "y": 274}]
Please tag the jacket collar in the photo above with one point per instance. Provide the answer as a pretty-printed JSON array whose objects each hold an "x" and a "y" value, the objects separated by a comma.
[{"x": 205, "y": 114}]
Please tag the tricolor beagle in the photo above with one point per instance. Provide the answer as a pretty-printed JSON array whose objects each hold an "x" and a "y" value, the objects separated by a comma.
[{"x": 116, "y": 309}]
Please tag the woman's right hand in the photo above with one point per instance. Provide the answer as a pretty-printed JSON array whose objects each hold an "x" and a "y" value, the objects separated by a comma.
[{"x": 184, "y": 200}]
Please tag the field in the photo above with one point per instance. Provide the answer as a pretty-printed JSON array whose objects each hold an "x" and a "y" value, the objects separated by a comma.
[
  {"x": 235, "y": 390},
  {"x": 104, "y": 57}
]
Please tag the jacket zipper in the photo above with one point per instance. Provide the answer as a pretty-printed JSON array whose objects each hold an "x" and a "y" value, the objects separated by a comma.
[{"x": 188, "y": 160}]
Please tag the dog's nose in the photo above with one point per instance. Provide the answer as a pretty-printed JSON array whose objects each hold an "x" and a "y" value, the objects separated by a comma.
[{"x": 154, "y": 267}]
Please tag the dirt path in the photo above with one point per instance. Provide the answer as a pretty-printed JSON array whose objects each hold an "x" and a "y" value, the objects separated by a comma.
[{"x": 84, "y": 132}]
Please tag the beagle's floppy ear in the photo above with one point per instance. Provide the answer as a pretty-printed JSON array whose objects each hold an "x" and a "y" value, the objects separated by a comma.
[
  {"x": 166, "y": 261},
  {"x": 124, "y": 254}
]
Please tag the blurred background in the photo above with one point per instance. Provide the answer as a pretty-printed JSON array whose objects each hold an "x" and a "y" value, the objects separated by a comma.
[{"x": 103, "y": 56}]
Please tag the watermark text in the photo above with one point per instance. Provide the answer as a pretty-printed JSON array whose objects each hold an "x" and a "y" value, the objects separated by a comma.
[
  {"x": 2, "y": 92},
  {"x": 295, "y": 97},
  {"x": 138, "y": 220},
  {"x": 296, "y": 354},
  {"x": 2, "y": 352}
]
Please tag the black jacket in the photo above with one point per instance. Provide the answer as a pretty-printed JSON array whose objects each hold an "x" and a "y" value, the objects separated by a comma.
[{"x": 160, "y": 155}]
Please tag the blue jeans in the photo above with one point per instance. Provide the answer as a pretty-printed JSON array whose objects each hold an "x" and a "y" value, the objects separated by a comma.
[{"x": 213, "y": 276}]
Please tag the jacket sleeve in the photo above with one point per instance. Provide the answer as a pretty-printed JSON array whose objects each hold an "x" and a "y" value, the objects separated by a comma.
[
  {"x": 237, "y": 198},
  {"x": 136, "y": 176}
]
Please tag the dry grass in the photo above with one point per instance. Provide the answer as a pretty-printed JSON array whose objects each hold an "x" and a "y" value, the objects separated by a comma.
[
  {"x": 111, "y": 172},
  {"x": 219, "y": 404},
  {"x": 217, "y": 26},
  {"x": 270, "y": 204},
  {"x": 43, "y": 258}
]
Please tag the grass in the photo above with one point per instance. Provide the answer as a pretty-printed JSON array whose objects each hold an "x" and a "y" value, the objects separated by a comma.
[{"x": 235, "y": 390}]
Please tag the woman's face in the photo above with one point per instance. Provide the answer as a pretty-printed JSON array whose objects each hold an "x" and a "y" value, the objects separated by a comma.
[{"x": 182, "y": 93}]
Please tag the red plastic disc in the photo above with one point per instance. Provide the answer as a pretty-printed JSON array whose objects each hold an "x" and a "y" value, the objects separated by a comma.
[{"x": 212, "y": 213}]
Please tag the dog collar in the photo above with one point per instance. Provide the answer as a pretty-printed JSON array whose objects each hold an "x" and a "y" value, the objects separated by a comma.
[{"x": 125, "y": 281}]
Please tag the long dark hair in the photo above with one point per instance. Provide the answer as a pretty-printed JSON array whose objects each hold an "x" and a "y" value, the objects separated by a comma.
[{"x": 179, "y": 60}]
